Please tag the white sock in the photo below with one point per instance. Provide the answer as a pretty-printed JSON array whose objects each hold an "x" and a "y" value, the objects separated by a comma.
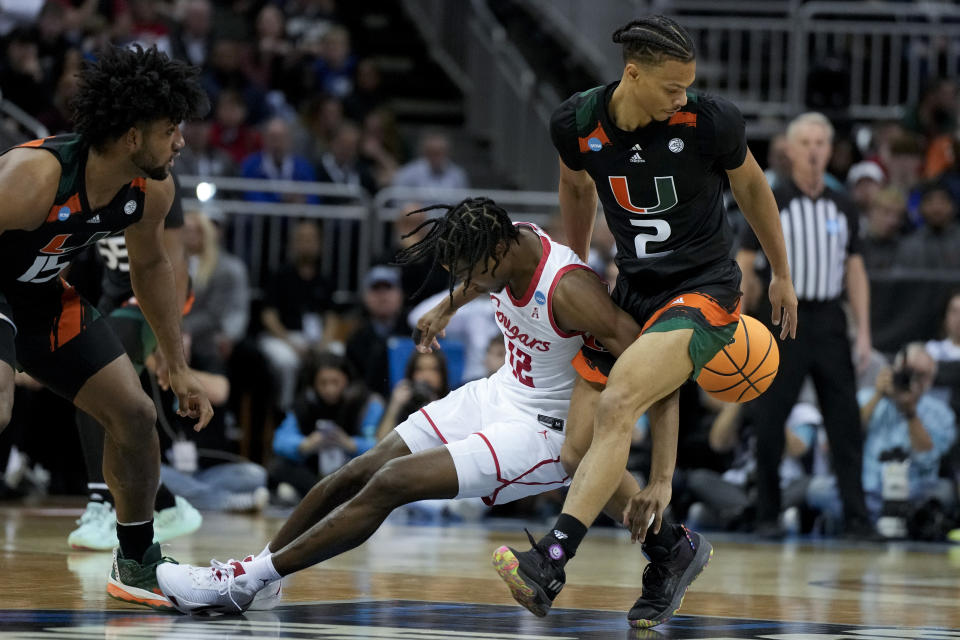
[
  {"x": 262, "y": 569},
  {"x": 266, "y": 551}
]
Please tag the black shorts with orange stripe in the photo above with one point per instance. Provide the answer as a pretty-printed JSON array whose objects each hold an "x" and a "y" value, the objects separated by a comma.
[
  {"x": 61, "y": 339},
  {"x": 712, "y": 311}
]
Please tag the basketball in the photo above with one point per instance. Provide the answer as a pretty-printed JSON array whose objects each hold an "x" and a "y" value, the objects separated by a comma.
[{"x": 744, "y": 368}]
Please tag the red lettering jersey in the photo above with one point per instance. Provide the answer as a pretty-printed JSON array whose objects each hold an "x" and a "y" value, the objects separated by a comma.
[{"x": 537, "y": 376}]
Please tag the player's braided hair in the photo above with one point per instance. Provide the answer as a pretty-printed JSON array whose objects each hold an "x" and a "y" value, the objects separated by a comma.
[
  {"x": 652, "y": 39},
  {"x": 467, "y": 235},
  {"x": 126, "y": 87}
]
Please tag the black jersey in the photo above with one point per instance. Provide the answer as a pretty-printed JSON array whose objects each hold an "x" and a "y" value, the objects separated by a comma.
[
  {"x": 115, "y": 285},
  {"x": 33, "y": 258},
  {"x": 661, "y": 186}
]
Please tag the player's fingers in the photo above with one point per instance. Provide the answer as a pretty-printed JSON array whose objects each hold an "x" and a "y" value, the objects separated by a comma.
[
  {"x": 645, "y": 520},
  {"x": 657, "y": 521},
  {"x": 775, "y": 314},
  {"x": 206, "y": 414}
]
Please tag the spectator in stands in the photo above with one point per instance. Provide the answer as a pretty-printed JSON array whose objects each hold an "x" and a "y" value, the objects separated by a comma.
[
  {"x": 230, "y": 131},
  {"x": 297, "y": 310},
  {"x": 341, "y": 164},
  {"x": 367, "y": 92},
  {"x": 420, "y": 280},
  {"x": 864, "y": 180},
  {"x": 272, "y": 48},
  {"x": 59, "y": 117},
  {"x": 844, "y": 156},
  {"x": 277, "y": 162},
  {"x": 147, "y": 25},
  {"x": 335, "y": 418},
  {"x": 936, "y": 112},
  {"x": 192, "y": 38},
  {"x": 495, "y": 356},
  {"x": 947, "y": 354},
  {"x": 334, "y": 68},
  {"x": 383, "y": 318},
  {"x": 884, "y": 229},
  {"x": 900, "y": 413},
  {"x": 434, "y": 168},
  {"x": 904, "y": 162},
  {"x": 22, "y": 79},
  {"x": 198, "y": 157},
  {"x": 221, "y": 307},
  {"x": 309, "y": 18},
  {"x": 935, "y": 244},
  {"x": 321, "y": 119},
  {"x": 380, "y": 146},
  {"x": 778, "y": 163},
  {"x": 425, "y": 379},
  {"x": 227, "y": 71}
]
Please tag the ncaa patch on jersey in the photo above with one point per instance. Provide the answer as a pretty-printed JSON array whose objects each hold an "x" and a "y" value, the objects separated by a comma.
[
  {"x": 63, "y": 214},
  {"x": 594, "y": 144},
  {"x": 675, "y": 145},
  {"x": 130, "y": 207},
  {"x": 539, "y": 298}
]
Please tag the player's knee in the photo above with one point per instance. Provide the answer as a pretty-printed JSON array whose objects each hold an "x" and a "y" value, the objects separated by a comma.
[
  {"x": 6, "y": 408},
  {"x": 133, "y": 422},
  {"x": 391, "y": 485},
  {"x": 615, "y": 409}
]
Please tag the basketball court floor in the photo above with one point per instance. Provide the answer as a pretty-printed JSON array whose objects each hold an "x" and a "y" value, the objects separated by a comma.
[{"x": 435, "y": 582}]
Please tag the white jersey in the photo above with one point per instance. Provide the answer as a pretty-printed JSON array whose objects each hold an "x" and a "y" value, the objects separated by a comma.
[{"x": 538, "y": 377}]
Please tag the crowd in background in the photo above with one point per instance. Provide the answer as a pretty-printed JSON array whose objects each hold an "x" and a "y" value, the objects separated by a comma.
[{"x": 292, "y": 99}]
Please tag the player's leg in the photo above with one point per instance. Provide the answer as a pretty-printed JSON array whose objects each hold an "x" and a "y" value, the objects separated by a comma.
[
  {"x": 338, "y": 487},
  {"x": 8, "y": 361}
]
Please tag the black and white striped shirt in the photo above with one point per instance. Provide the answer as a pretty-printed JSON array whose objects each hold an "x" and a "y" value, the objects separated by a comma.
[{"x": 820, "y": 234}]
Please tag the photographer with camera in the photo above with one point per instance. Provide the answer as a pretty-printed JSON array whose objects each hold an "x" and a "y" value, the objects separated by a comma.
[{"x": 900, "y": 413}]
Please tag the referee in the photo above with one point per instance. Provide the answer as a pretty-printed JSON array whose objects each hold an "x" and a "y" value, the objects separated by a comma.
[{"x": 820, "y": 229}]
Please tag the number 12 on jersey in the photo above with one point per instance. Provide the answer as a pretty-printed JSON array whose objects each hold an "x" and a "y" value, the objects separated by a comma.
[{"x": 521, "y": 364}]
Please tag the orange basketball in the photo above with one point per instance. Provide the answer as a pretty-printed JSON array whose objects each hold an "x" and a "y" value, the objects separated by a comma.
[{"x": 744, "y": 368}]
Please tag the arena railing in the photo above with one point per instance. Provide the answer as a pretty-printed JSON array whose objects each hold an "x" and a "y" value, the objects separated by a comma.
[
  {"x": 259, "y": 232},
  {"x": 506, "y": 105}
]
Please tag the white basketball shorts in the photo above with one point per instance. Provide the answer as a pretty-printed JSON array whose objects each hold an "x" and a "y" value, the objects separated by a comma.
[{"x": 501, "y": 453}]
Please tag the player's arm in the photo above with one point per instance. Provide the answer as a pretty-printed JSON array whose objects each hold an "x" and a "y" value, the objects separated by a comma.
[
  {"x": 433, "y": 323},
  {"x": 858, "y": 292},
  {"x": 154, "y": 284},
  {"x": 759, "y": 207},
  {"x": 581, "y": 303},
  {"x": 28, "y": 187},
  {"x": 578, "y": 208}
]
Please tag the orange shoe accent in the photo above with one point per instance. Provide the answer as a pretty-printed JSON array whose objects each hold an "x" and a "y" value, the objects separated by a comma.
[{"x": 160, "y": 604}]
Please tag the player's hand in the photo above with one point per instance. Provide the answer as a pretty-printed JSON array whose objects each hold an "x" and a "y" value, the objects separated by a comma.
[
  {"x": 644, "y": 512},
  {"x": 884, "y": 382},
  {"x": 432, "y": 324},
  {"x": 783, "y": 299},
  {"x": 192, "y": 398}
]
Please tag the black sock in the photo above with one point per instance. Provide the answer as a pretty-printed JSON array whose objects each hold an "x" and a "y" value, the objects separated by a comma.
[
  {"x": 668, "y": 536},
  {"x": 99, "y": 492},
  {"x": 135, "y": 539},
  {"x": 562, "y": 541},
  {"x": 164, "y": 499}
]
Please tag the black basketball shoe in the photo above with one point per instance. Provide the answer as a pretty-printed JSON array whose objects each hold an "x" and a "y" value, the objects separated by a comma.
[
  {"x": 667, "y": 576},
  {"x": 533, "y": 576}
]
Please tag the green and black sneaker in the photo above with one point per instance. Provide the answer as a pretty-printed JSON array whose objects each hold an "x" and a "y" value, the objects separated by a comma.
[{"x": 136, "y": 582}]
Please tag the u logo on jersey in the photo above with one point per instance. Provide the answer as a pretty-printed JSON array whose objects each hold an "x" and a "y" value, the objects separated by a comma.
[
  {"x": 53, "y": 256},
  {"x": 666, "y": 199}
]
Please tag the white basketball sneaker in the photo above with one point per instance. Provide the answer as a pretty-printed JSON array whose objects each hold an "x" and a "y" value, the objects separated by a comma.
[
  {"x": 224, "y": 587},
  {"x": 97, "y": 530},
  {"x": 268, "y": 597},
  {"x": 176, "y": 521}
]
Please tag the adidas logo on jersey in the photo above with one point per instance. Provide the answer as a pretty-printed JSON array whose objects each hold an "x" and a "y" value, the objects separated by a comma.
[
  {"x": 94, "y": 220},
  {"x": 636, "y": 147},
  {"x": 635, "y": 159}
]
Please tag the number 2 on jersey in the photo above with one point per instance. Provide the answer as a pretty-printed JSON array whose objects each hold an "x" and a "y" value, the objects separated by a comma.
[
  {"x": 521, "y": 364},
  {"x": 666, "y": 200}
]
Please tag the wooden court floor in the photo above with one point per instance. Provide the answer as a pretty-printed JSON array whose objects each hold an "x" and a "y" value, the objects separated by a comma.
[{"x": 889, "y": 586}]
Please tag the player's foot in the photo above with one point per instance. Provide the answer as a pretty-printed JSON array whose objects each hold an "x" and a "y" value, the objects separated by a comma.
[
  {"x": 136, "y": 582},
  {"x": 533, "y": 576},
  {"x": 268, "y": 597},
  {"x": 175, "y": 521},
  {"x": 224, "y": 587},
  {"x": 667, "y": 576},
  {"x": 97, "y": 530}
]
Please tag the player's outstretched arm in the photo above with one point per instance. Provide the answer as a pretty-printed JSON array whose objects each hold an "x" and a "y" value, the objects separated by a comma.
[
  {"x": 433, "y": 322},
  {"x": 759, "y": 207},
  {"x": 581, "y": 303},
  {"x": 155, "y": 287},
  {"x": 578, "y": 208},
  {"x": 28, "y": 186}
]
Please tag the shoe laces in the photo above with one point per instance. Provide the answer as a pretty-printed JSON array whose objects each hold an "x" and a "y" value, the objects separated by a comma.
[
  {"x": 543, "y": 557},
  {"x": 656, "y": 573},
  {"x": 94, "y": 511},
  {"x": 219, "y": 575}
]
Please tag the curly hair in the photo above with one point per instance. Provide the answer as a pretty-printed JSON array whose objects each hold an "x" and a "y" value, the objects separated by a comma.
[
  {"x": 653, "y": 39},
  {"x": 466, "y": 236},
  {"x": 127, "y": 87}
]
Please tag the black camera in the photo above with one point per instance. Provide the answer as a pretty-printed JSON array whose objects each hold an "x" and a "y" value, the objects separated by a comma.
[{"x": 902, "y": 379}]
